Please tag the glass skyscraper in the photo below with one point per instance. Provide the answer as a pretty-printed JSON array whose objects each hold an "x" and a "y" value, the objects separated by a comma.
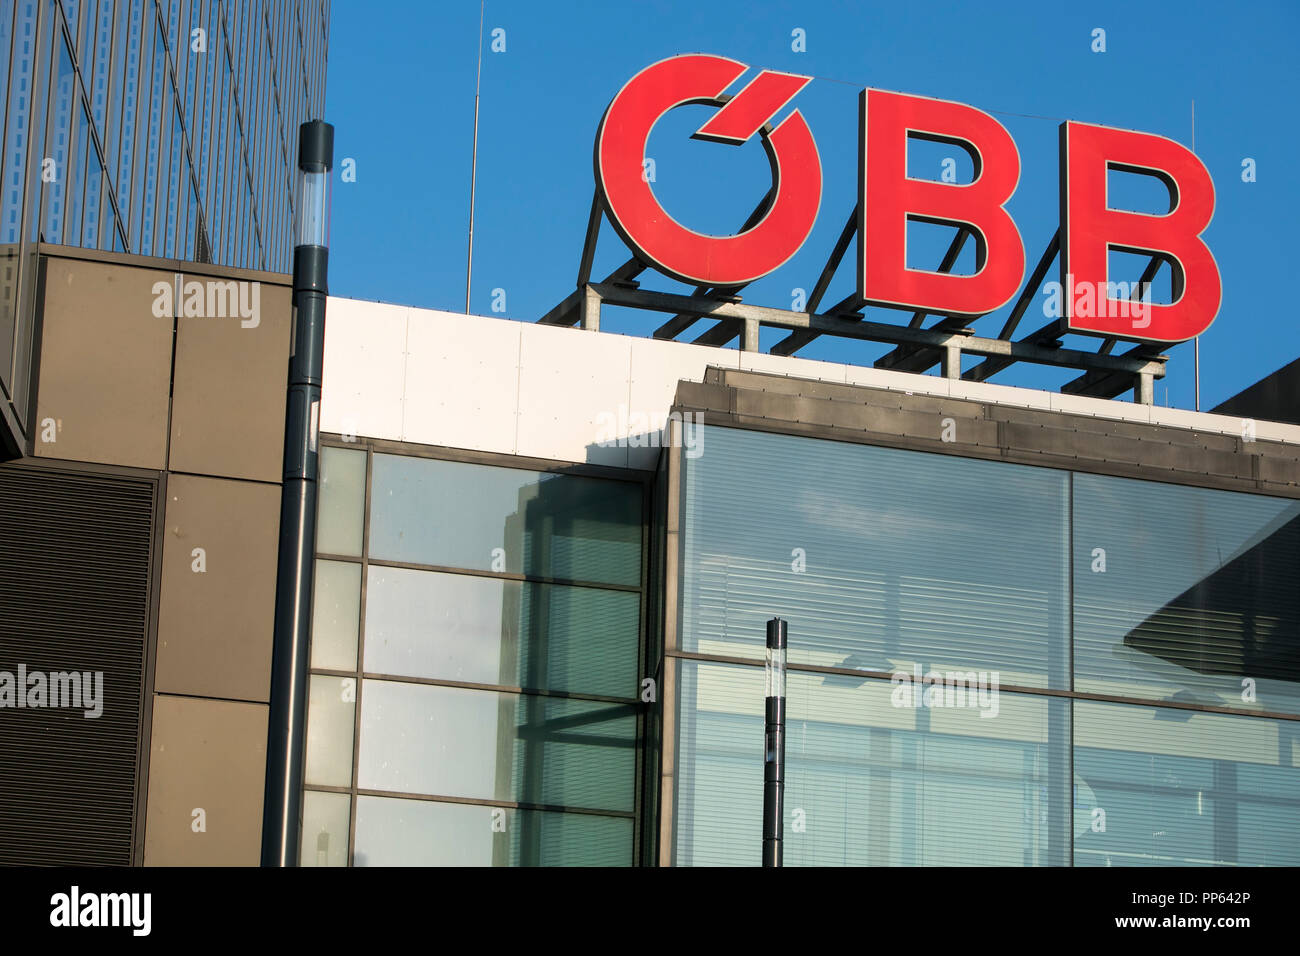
[{"x": 158, "y": 127}]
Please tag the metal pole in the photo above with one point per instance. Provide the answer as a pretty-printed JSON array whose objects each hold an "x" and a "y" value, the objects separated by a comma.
[
  {"x": 473, "y": 163},
  {"x": 290, "y": 654},
  {"x": 774, "y": 744},
  {"x": 1196, "y": 357},
  {"x": 1196, "y": 342}
]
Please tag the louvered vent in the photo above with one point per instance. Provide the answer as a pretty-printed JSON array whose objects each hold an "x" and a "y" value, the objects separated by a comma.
[{"x": 74, "y": 596}]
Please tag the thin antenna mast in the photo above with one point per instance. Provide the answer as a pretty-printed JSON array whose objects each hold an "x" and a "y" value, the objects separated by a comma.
[
  {"x": 1196, "y": 343},
  {"x": 473, "y": 166}
]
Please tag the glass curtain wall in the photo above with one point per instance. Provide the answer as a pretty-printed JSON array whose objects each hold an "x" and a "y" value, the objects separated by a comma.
[
  {"x": 945, "y": 615},
  {"x": 476, "y": 650},
  {"x": 113, "y": 108}
]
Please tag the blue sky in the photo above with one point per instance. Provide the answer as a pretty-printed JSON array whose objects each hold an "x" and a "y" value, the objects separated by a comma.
[{"x": 400, "y": 93}]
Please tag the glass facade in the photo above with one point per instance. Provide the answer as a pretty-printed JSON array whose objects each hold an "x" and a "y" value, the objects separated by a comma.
[
  {"x": 990, "y": 663},
  {"x": 476, "y": 658},
  {"x": 159, "y": 127}
]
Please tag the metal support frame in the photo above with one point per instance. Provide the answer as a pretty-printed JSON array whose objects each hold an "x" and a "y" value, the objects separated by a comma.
[
  {"x": 917, "y": 348},
  {"x": 797, "y": 340},
  {"x": 963, "y": 341}
]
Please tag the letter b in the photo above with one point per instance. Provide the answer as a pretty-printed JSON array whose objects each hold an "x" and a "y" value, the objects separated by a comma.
[{"x": 1090, "y": 229}]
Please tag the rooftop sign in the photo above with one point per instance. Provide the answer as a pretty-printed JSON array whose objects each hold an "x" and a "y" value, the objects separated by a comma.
[{"x": 889, "y": 199}]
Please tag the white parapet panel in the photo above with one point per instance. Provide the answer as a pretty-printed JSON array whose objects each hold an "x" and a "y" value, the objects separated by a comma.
[
  {"x": 364, "y": 371},
  {"x": 486, "y": 384},
  {"x": 567, "y": 379},
  {"x": 563, "y": 394},
  {"x": 462, "y": 381}
]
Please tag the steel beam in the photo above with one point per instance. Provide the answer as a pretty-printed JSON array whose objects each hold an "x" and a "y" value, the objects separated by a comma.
[
  {"x": 854, "y": 328},
  {"x": 680, "y": 323},
  {"x": 797, "y": 340}
]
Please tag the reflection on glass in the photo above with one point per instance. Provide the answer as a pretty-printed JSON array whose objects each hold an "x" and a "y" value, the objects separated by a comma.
[
  {"x": 331, "y": 708},
  {"x": 336, "y": 611},
  {"x": 395, "y": 832},
  {"x": 1187, "y": 594},
  {"x": 479, "y": 517},
  {"x": 342, "y": 501},
  {"x": 494, "y": 631},
  {"x": 876, "y": 781},
  {"x": 325, "y": 819},
  {"x": 450, "y": 741},
  {"x": 1163, "y": 787},
  {"x": 879, "y": 558}
]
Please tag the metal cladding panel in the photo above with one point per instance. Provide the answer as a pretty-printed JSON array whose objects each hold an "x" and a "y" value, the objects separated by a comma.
[
  {"x": 569, "y": 382},
  {"x": 462, "y": 382},
  {"x": 74, "y": 596},
  {"x": 105, "y": 366},
  {"x": 364, "y": 378},
  {"x": 228, "y": 396}
]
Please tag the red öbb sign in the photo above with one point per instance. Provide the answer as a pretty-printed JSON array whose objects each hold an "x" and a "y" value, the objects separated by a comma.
[{"x": 889, "y": 198}]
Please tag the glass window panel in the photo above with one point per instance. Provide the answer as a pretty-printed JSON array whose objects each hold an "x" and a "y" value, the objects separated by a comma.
[
  {"x": 342, "y": 501},
  {"x": 193, "y": 223},
  {"x": 494, "y": 631},
  {"x": 1188, "y": 594},
  {"x": 64, "y": 99},
  {"x": 160, "y": 100},
  {"x": 174, "y": 184},
  {"x": 331, "y": 709},
  {"x": 70, "y": 10},
  {"x": 16, "y": 67},
  {"x": 114, "y": 226},
  {"x": 103, "y": 39},
  {"x": 486, "y": 745},
  {"x": 215, "y": 210},
  {"x": 879, "y": 558},
  {"x": 336, "y": 611},
  {"x": 39, "y": 125},
  {"x": 871, "y": 778},
  {"x": 394, "y": 832},
  {"x": 94, "y": 187},
  {"x": 146, "y": 131},
  {"x": 18, "y": 121},
  {"x": 234, "y": 186},
  {"x": 127, "y": 96},
  {"x": 325, "y": 819},
  {"x": 463, "y": 515},
  {"x": 1164, "y": 787},
  {"x": 76, "y": 187}
]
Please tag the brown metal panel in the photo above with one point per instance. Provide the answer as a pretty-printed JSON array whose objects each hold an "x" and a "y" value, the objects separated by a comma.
[
  {"x": 105, "y": 368},
  {"x": 208, "y": 756},
  {"x": 228, "y": 402},
  {"x": 215, "y": 625}
]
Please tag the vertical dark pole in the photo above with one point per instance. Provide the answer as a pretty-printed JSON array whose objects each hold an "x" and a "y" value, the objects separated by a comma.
[
  {"x": 774, "y": 744},
  {"x": 290, "y": 655}
]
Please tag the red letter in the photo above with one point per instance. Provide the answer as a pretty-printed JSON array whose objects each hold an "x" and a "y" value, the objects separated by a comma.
[
  {"x": 1090, "y": 228},
  {"x": 888, "y": 199},
  {"x": 653, "y": 235}
]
